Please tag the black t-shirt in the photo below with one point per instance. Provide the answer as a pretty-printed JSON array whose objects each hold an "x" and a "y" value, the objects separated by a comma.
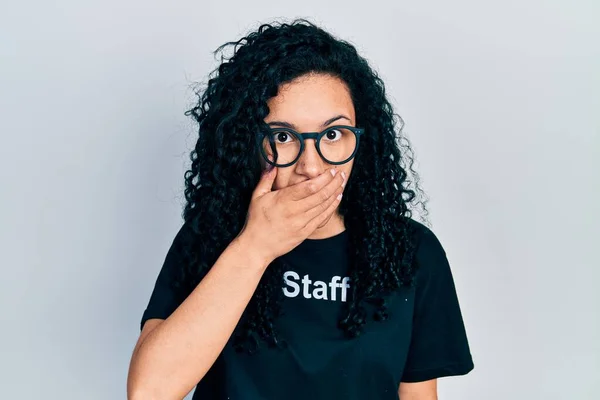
[{"x": 423, "y": 338}]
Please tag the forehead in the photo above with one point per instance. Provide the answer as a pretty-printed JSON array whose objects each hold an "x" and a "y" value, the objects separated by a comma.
[{"x": 310, "y": 100}]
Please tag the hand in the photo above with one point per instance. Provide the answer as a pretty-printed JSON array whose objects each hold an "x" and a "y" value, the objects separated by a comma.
[{"x": 279, "y": 220}]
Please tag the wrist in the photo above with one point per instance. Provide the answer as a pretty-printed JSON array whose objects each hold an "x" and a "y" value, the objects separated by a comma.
[{"x": 252, "y": 251}]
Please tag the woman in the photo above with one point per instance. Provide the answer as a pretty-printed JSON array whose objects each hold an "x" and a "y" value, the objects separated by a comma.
[{"x": 277, "y": 286}]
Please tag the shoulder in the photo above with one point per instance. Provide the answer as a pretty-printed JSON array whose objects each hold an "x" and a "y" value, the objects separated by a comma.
[
  {"x": 177, "y": 258},
  {"x": 180, "y": 246},
  {"x": 183, "y": 237},
  {"x": 423, "y": 234},
  {"x": 170, "y": 289},
  {"x": 430, "y": 255}
]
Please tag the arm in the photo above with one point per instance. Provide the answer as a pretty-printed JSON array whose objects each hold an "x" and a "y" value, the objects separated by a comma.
[
  {"x": 439, "y": 345},
  {"x": 173, "y": 355},
  {"x": 418, "y": 391}
]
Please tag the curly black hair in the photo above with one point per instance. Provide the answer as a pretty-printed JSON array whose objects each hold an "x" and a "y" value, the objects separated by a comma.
[{"x": 225, "y": 169}]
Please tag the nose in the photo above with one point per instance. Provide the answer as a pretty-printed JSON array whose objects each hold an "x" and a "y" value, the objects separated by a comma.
[{"x": 310, "y": 162}]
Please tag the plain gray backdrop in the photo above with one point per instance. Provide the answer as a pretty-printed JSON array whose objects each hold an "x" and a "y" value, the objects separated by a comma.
[{"x": 501, "y": 102}]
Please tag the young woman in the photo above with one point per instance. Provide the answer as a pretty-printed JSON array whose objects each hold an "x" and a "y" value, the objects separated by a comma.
[{"x": 277, "y": 286}]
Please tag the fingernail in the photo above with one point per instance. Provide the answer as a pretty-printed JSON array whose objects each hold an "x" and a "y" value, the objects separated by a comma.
[
  {"x": 344, "y": 176},
  {"x": 333, "y": 171}
]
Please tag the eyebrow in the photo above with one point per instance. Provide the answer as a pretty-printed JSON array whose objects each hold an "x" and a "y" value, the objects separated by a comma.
[{"x": 323, "y": 125}]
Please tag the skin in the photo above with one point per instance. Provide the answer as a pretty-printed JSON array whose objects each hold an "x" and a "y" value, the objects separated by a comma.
[{"x": 304, "y": 105}]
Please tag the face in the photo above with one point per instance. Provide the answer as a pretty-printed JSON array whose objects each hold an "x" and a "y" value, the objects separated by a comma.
[{"x": 306, "y": 104}]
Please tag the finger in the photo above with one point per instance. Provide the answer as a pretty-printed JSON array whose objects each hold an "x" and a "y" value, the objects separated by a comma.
[
  {"x": 309, "y": 187},
  {"x": 265, "y": 184},
  {"x": 323, "y": 206},
  {"x": 322, "y": 214},
  {"x": 322, "y": 196}
]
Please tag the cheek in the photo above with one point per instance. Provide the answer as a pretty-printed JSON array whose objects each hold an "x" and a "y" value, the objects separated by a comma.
[
  {"x": 279, "y": 183},
  {"x": 283, "y": 178},
  {"x": 346, "y": 168}
]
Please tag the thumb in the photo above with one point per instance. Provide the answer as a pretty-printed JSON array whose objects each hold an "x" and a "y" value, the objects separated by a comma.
[{"x": 265, "y": 184}]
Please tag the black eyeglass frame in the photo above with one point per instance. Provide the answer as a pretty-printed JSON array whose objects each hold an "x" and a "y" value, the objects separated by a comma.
[{"x": 308, "y": 135}]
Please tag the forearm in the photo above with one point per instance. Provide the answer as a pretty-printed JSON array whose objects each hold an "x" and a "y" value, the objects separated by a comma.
[{"x": 178, "y": 353}]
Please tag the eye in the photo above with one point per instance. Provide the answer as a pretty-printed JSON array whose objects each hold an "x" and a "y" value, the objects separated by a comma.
[
  {"x": 282, "y": 137},
  {"x": 333, "y": 135}
]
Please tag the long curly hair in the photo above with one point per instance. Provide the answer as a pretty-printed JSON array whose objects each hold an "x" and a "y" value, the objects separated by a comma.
[{"x": 225, "y": 169}]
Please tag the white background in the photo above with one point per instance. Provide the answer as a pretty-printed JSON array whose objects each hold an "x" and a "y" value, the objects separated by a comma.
[{"x": 501, "y": 102}]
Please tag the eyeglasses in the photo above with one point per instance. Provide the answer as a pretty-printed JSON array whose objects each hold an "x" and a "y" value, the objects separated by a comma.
[{"x": 282, "y": 147}]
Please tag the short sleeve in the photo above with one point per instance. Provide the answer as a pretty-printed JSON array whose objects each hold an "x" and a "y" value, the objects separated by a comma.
[
  {"x": 439, "y": 345},
  {"x": 165, "y": 297}
]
